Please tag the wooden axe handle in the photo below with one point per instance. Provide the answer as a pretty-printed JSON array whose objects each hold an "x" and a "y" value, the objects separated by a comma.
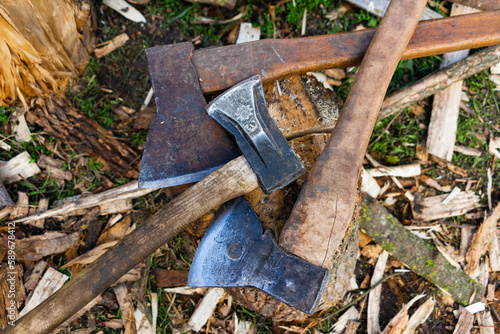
[
  {"x": 232, "y": 180},
  {"x": 325, "y": 205}
]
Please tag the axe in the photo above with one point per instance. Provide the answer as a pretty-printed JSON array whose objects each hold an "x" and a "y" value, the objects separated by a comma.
[{"x": 235, "y": 178}]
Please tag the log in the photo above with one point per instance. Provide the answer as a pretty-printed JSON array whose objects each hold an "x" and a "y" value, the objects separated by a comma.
[
  {"x": 418, "y": 255},
  {"x": 439, "y": 80},
  {"x": 446, "y": 105}
]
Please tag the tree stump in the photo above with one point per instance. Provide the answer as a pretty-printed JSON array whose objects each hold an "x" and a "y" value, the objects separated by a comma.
[{"x": 297, "y": 103}]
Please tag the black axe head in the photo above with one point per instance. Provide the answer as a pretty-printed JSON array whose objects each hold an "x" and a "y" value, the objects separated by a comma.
[{"x": 184, "y": 144}]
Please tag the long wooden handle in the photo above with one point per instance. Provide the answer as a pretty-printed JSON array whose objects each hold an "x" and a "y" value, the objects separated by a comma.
[
  {"x": 232, "y": 180},
  {"x": 326, "y": 203},
  {"x": 222, "y": 67}
]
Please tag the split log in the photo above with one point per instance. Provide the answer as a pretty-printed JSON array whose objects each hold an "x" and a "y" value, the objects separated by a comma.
[
  {"x": 446, "y": 104},
  {"x": 64, "y": 122},
  {"x": 439, "y": 80},
  {"x": 45, "y": 46},
  {"x": 421, "y": 257}
]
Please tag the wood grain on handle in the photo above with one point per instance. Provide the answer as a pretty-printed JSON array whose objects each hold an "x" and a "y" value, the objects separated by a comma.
[
  {"x": 222, "y": 67},
  {"x": 232, "y": 180},
  {"x": 325, "y": 205}
]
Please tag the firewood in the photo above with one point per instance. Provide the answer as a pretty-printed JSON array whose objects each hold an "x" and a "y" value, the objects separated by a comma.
[
  {"x": 446, "y": 104},
  {"x": 36, "y": 247},
  {"x": 18, "y": 168},
  {"x": 205, "y": 309},
  {"x": 47, "y": 45},
  {"x": 51, "y": 281},
  {"x": 439, "y": 80},
  {"x": 386, "y": 231},
  {"x": 433, "y": 208}
]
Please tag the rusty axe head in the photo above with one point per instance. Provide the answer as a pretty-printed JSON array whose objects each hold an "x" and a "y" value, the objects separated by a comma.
[{"x": 184, "y": 144}]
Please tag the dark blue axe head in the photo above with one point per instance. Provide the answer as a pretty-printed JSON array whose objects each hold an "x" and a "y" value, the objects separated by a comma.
[{"x": 235, "y": 253}]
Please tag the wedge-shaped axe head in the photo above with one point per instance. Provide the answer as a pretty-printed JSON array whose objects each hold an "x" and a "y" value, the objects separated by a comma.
[
  {"x": 242, "y": 111},
  {"x": 234, "y": 253},
  {"x": 184, "y": 144}
]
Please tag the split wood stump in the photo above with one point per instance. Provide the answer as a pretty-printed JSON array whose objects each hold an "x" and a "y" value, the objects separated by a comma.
[{"x": 296, "y": 103}]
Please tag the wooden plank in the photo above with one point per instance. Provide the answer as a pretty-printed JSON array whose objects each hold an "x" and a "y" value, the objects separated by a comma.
[{"x": 446, "y": 104}]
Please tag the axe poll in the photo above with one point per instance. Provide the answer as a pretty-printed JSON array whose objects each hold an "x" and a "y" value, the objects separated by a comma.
[{"x": 236, "y": 177}]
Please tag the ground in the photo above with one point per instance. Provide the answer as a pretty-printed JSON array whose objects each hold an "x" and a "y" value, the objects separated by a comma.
[{"x": 121, "y": 79}]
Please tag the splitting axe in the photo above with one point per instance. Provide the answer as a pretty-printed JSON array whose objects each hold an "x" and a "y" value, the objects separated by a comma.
[{"x": 236, "y": 177}]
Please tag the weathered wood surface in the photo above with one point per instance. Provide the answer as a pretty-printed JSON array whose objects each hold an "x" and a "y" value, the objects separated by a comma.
[
  {"x": 421, "y": 257},
  {"x": 480, "y": 4},
  {"x": 63, "y": 121},
  {"x": 439, "y": 80},
  {"x": 222, "y": 67},
  {"x": 446, "y": 104}
]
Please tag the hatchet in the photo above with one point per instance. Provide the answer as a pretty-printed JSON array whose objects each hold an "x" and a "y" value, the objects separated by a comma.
[
  {"x": 235, "y": 178},
  {"x": 326, "y": 202}
]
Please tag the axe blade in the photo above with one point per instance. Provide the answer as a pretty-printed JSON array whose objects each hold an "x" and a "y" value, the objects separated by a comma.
[
  {"x": 184, "y": 144},
  {"x": 234, "y": 253}
]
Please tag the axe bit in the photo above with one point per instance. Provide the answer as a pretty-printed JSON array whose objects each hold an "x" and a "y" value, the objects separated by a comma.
[{"x": 234, "y": 253}]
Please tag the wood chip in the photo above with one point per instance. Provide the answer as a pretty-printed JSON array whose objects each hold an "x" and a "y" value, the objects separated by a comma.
[
  {"x": 373, "y": 326},
  {"x": 205, "y": 309},
  {"x": 485, "y": 322},
  {"x": 22, "y": 206},
  {"x": 170, "y": 278},
  {"x": 351, "y": 314},
  {"x": 18, "y": 168},
  {"x": 369, "y": 185},
  {"x": 465, "y": 323},
  {"x": 126, "y": 308},
  {"x": 20, "y": 128},
  {"x": 125, "y": 9},
  {"x": 118, "y": 206},
  {"x": 398, "y": 171},
  {"x": 420, "y": 316},
  {"x": 469, "y": 151},
  {"x": 115, "y": 232},
  {"x": 485, "y": 240},
  {"x": 400, "y": 321},
  {"x": 432, "y": 208},
  {"x": 454, "y": 193},
  {"x": 54, "y": 168},
  {"x": 112, "y": 45},
  {"x": 249, "y": 33},
  {"x": 76, "y": 265},
  {"x": 186, "y": 290},
  {"x": 243, "y": 326},
  {"x": 493, "y": 146},
  {"x": 76, "y": 204},
  {"x": 430, "y": 182},
  {"x": 50, "y": 283},
  {"x": 154, "y": 310},
  {"x": 36, "y": 247},
  {"x": 142, "y": 324},
  {"x": 5, "y": 146}
]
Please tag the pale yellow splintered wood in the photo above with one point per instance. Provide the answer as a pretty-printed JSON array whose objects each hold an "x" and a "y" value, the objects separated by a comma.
[
  {"x": 373, "y": 326},
  {"x": 248, "y": 33},
  {"x": 400, "y": 321},
  {"x": 485, "y": 240},
  {"x": 398, "y": 171},
  {"x": 50, "y": 283},
  {"x": 465, "y": 322},
  {"x": 446, "y": 104},
  {"x": 420, "y": 316},
  {"x": 205, "y": 309},
  {"x": 242, "y": 326},
  {"x": 126, "y": 307},
  {"x": 112, "y": 45},
  {"x": 74, "y": 204},
  {"x": 118, "y": 206},
  {"x": 36, "y": 247},
  {"x": 18, "y": 168},
  {"x": 186, "y": 290},
  {"x": 432, "y": 208},
  {"x": 142, "y": 324},
  {"x": 154, "y": 309},
  {"x": 485, "y": 322},
  {"x": 470, "y": 151},
  {"x": 351, "y": 314}
]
